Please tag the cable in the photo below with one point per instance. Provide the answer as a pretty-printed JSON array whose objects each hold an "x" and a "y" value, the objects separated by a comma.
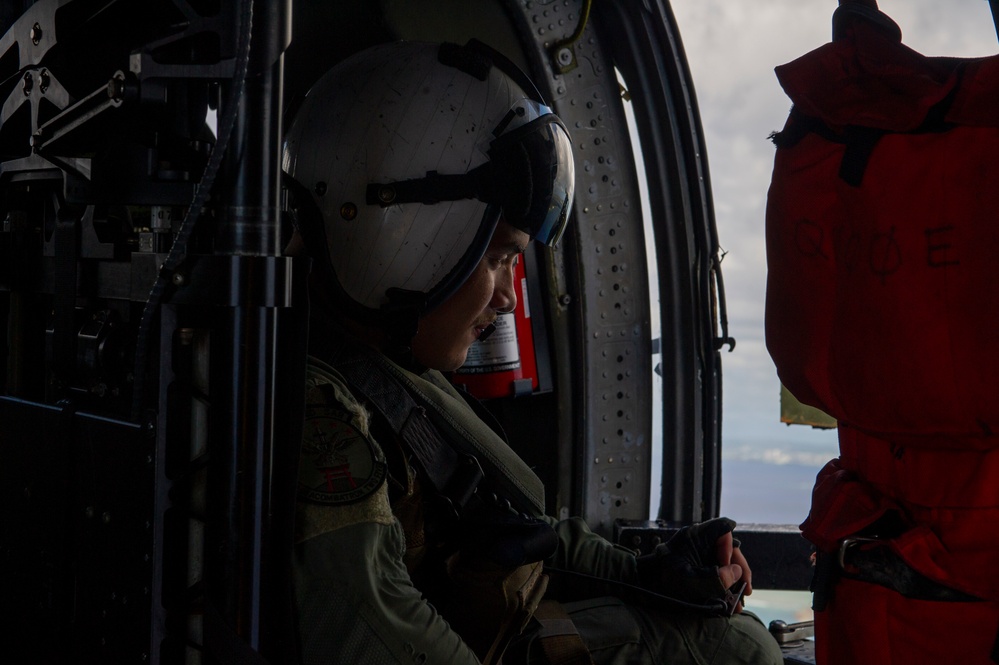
[
  {"x": 639, "y": 594},
  {"x": 178, "y": 250}
]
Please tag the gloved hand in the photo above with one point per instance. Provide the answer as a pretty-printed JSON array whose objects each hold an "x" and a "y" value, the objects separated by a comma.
[{"x": 698, "y": 564}]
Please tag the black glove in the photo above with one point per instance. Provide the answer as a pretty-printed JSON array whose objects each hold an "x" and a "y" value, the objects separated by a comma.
[{"x": 686, "y": 567}]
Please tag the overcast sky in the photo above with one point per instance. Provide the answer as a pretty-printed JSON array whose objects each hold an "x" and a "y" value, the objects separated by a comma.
[{"x": 732, "y": 47}]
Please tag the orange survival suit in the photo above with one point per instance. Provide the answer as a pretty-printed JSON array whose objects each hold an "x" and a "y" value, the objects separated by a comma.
[{"x": 883, "y": 310}]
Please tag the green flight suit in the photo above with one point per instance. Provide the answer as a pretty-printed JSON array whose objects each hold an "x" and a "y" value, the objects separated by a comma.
[{"x": 355, "y": 562}]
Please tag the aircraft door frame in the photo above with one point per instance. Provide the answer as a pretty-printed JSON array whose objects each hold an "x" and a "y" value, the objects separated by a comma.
[{"x": 600, "y": 295}]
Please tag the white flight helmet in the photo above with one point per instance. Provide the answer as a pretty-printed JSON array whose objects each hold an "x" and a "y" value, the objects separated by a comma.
[{"x": 410, "y": 152}]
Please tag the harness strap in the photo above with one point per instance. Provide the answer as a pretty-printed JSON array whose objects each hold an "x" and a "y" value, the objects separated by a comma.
[
  {"x": 868, "y": 560},
  {"x": 454, "y": 475},
  {"x": 880, "y": 565},
  {"x": 560, "y": 640}
]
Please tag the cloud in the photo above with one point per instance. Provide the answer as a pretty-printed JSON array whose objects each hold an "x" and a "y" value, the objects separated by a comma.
[{"x": 778, "y": 456}]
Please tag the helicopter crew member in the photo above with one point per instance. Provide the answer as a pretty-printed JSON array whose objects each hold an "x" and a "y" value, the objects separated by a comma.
[{"x": 419, "y": 173}]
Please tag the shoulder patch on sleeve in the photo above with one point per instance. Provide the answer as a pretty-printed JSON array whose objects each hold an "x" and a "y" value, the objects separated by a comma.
[{"x": 339, "y": 464}]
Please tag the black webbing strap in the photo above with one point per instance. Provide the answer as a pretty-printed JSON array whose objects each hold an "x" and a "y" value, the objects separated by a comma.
[
  {"x": 454, "y": 475},
  {"x": 878, "y": 564},
  {"x": 849, "y": 11},
  {"x": 435, "y": 187},
  {"x": 559, "y": 637},
  {"x": 824, "y": 577},
  {"x": 859, "y": 142}
]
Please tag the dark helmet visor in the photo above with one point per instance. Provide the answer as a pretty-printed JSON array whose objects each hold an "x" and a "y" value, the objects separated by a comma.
[{"x": 533, "y": 164}]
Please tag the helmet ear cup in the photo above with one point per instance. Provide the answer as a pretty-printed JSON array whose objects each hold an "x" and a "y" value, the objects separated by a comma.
[{"x": 309, "y": 222}]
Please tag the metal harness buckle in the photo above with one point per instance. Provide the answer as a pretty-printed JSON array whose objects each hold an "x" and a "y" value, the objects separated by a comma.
[{"x": 847, "y": 544}]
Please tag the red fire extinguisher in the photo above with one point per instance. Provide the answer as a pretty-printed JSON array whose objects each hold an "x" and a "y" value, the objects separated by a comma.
[{"x": 503, "y": 364}]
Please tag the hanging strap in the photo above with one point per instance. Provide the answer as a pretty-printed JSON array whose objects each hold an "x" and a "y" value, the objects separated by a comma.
[
  {"x": 560, "y": 640},
  {"x": 865, "y": 9},
  {"x": 454, "y": 475}
]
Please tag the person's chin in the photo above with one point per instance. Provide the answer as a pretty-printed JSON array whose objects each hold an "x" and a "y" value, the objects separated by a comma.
[
  {"x": 456, "y": 361},
  {"x": 446, "y": 361}
]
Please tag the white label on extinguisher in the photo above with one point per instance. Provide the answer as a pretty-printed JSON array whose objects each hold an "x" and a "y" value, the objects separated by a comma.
[{"x": 498, "y": 353}]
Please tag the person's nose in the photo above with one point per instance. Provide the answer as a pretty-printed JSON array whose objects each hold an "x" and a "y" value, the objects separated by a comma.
[{"x": 505, "y": 291}]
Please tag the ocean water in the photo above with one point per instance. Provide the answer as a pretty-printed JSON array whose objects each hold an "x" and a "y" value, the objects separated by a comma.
[
  {"x": 766, "y": 492},
  {"x": 787, "y": 606},
  {"x": 776, "y": 491}
]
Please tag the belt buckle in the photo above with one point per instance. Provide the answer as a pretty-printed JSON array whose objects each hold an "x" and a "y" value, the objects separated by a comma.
[{"x": 847, "y": 544}]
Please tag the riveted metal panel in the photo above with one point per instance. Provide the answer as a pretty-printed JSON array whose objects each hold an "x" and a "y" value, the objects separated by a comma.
[
  {"x": 649, "y": 54},
  {"x": 600, "y": 280}
]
